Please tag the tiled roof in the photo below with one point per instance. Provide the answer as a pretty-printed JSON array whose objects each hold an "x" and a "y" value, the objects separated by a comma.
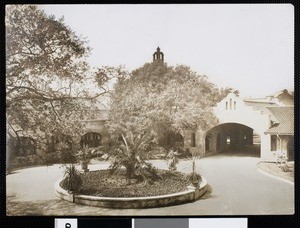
[{"x": 285, "y": 117}]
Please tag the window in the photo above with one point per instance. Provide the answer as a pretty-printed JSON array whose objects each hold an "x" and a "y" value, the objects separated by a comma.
[
  {"x": 230, "y": 103},
  {"x": 234, "y": 105},
  {"x": 226, "y": 105}
]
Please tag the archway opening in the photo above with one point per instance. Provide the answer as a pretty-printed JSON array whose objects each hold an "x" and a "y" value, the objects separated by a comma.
[
  {"x": 232, "y": 139},
  {"x": 171, "y": 140},
  {"x": 91, "y": 139},
  {"x": 54, "y": 141}
]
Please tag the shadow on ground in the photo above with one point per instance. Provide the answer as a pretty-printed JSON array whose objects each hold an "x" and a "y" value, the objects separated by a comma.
[
  {"x": 246, "y": 151},
  {"x": 37, "y": 208},
  {"x": 208, "y": 193}
]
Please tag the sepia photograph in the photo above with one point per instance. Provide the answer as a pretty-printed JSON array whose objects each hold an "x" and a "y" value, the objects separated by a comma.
[{"x": 149, "y": 109}]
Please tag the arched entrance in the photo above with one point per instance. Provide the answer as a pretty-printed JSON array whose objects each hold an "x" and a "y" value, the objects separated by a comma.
[
  {"x": 54, "y": 140},
  {"x": 172, "y": 140},
  {"x": 175, "y": 139},
  {"x": 232, "y": 138},
  {"x": 91, "y": 139}
]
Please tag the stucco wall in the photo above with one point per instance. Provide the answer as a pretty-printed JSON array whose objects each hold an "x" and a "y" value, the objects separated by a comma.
[{"x": 240, "y": 113}]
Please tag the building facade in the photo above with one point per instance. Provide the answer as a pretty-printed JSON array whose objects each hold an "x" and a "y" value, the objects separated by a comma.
[{"x": 264, "y": 125}]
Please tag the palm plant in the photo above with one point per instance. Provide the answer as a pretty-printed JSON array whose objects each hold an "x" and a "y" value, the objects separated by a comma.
[
  {"x": 194, "y": 178},
  {"x": 130, "y": 153}
]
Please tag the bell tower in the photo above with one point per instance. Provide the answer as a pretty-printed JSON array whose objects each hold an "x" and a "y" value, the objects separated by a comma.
[{"x": 158, "y": 55}]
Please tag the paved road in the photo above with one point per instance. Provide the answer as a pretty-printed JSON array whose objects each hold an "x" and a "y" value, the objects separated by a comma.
[{"x": 235, "y": 188}]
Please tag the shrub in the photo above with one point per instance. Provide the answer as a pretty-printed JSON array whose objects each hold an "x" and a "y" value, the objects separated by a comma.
[
  {"x": 286, "y": 168},
  {"x": 172, "y": 158},
  {"x": 65, "y": 153},
  {"x": 194, "y": 178},
  {"x": 156, "y": 152},
  {"x": 51, "y": 158},
  {"x": 72, "y": 179},
  {"x": 129, "y": 153}
]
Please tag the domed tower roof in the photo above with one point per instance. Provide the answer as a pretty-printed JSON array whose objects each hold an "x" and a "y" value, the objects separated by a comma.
[{"x": 158, "y": 55}]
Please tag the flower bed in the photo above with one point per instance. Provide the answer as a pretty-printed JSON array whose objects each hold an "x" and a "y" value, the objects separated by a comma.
[
  {"x": 189, "y": 195},
  {"x": 101, "y": 183}
]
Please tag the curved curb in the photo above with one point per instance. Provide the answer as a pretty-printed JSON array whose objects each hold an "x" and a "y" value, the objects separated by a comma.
[
  {"x": 273, "y": 176},
  {"x": 187, "y": 196}
]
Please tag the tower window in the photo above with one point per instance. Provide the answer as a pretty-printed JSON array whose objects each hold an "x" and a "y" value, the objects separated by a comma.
[
  {"x": 230, "y": 103},
  {"x": 226, "y": 105},
  {"x": 234, "y": 105}
]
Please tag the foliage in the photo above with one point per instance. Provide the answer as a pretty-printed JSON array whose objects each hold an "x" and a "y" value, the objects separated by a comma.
[
  {"x": 72, "y": 179},
  {"x": 194, "y": 177},
  {"x": 286, "y": 168},
  {"x": 172, "y": 158},
  {"x": 129, "y": 154},
  {"x": 159, "y": 99},
  {"x": 153, "y": 101},
  {"x": 52, "y": 158},
  {"x": 102, "y": 183},
  {"x": 156, "y": 152},
  {"x": 66, "y": 153},
  {"x": 86, "y": 153},
  {"x": 50, "y": 88}
]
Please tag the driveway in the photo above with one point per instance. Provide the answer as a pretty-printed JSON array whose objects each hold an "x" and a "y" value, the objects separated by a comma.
[{"x": 235, "y": 188}]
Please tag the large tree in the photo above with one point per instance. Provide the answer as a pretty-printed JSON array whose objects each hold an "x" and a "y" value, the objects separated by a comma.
[
  {"x": 157, "y": 98},
  {"x": 154, "y": 101},
  {"x": 50, "y": 87}
]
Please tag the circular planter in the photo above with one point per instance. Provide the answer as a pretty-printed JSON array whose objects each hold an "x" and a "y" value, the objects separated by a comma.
[{"x": 190, "y": 195}]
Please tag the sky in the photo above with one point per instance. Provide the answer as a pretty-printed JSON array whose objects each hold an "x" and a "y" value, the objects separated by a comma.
[{"x": 247, "y": 47}]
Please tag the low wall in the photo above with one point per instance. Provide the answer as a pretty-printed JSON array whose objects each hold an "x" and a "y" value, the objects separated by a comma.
[{"x": 189, "y": 195}]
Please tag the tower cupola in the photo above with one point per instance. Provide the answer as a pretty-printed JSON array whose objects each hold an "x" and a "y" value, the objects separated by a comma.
[{"x": 158, "y": 55}]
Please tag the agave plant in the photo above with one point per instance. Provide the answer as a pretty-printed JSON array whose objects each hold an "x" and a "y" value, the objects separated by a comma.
[{"x": 72, "y": 180}]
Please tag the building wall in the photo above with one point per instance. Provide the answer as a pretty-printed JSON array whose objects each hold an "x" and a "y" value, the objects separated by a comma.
[
  {"x": 281, "y": 144},
  {"x": 227, "y": 136},
  {"x": 232, "y": 109},
  {"x": 234, "y": 117}
]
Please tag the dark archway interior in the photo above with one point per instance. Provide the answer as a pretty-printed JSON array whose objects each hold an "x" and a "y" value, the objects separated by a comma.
[
  {"x": 54, "y": 140},
  {"x": 91, "y": 139},
  {"x": 232, "y": 139}
]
